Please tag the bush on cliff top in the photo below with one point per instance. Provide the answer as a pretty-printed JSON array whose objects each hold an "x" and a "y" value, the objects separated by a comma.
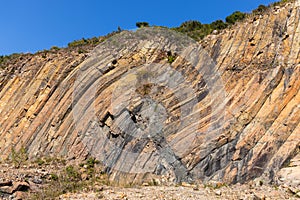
[
  {"x": 142, "y": 24},
  {"x": 234, "y": 17}
]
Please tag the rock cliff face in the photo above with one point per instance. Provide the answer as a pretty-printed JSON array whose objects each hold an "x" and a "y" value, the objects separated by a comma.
[{"x": 155, "y": 103}]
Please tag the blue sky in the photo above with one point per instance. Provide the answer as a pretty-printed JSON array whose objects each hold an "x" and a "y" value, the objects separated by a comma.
[{"x": 32, "y": 25}]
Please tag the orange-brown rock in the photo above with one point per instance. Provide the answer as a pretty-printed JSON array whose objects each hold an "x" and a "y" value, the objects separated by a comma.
[{"x": 155, "y": 103}]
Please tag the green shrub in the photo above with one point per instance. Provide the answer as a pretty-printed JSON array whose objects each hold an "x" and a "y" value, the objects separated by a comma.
[
  {"x": 5, "y": 60},
  {"x": 2, "y": 60},
  {"x": 191, "y": 25},
  {"x": 54, "y": 48},
  {"x": 91, "y": 162},
  {"x": 194, "y": 29},
  {"x": 260, "y": 9},
  {"x": 53, "y": 177},
  {"x": 198, "y": 31},
  {"x": 72, "y": 173},
  {"x": 93, "y": 40},
  {"x": 77, "y": 43},
  {"x": 218, "y": 25},
  {"x": 234, "y": 17},
  {"x": 142, "y": 24},
  {"x": 171, "y": 59},
  {"x": 201, "y": 33},
  {"x": 282, "y": 2},
  {"x": 80, "y": 51},
  {"x": 40, "y": 161},
  {"x": 19, "y": 157},
  {"x": 83, "y": 41}
]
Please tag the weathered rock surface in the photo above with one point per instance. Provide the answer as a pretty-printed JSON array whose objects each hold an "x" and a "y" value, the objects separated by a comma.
[
  {"x": 153, "y": 103},
  {"x": 291, "y": 174}
]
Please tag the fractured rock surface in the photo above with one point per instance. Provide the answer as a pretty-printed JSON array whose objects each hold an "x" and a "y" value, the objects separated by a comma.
[{"x": 153, "y": 102}]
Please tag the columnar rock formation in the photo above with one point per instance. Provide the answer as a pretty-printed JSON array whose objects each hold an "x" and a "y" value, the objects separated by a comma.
[{"x": 156, "y": 103}]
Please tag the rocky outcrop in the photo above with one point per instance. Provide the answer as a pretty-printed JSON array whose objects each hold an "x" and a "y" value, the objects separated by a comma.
[
  {"x": 261, "y": 60},
  {"x": 155, "y": 103}
]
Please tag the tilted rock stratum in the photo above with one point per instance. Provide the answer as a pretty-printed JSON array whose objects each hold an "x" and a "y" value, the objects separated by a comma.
[{"x": 155, "y": 103}]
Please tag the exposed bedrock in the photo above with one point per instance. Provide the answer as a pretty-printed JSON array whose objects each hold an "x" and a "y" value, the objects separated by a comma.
[{"x": 156, "y": 103}]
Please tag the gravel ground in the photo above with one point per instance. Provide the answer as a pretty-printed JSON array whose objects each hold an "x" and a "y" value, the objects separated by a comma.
[
  {"x": 22, "y": 182},
  {"x": 244, "y": 192}
]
